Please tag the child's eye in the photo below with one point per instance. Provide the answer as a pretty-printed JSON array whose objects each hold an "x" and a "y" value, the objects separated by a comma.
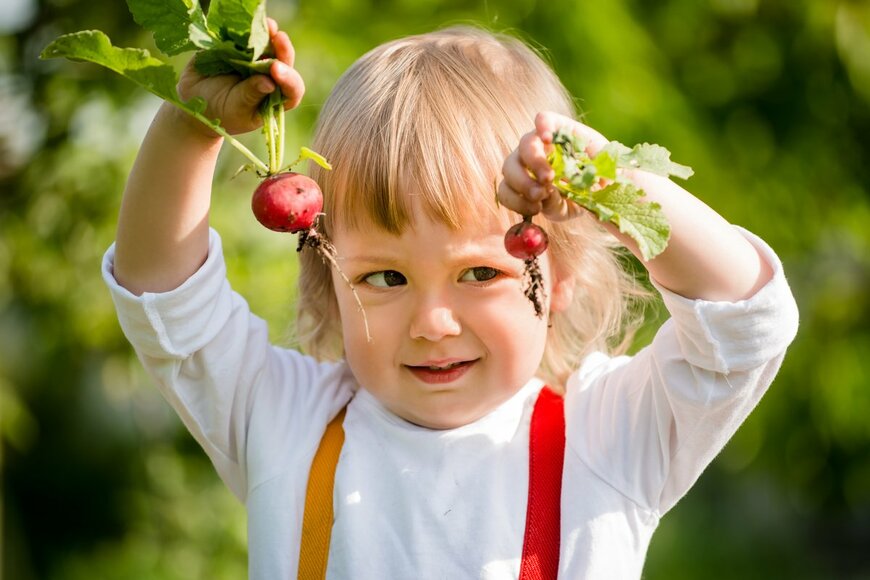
[
  {"x": 479, "y": 274},
  {"x": 385, "y": 279}
]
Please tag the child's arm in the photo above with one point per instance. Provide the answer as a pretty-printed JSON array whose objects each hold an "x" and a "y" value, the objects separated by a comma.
[
  {"x": 162, "y": 234},
  {"x": 706, "y": 258}
]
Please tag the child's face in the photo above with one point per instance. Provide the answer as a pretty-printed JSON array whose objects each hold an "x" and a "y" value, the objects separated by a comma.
[{"x": 434, "y": 297}]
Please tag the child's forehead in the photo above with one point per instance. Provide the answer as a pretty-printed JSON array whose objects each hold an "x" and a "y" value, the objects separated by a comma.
[
  {"x": 480, "y": 217},
  {"x": 475, "y": 230},
  {"x": 422, "y": 230}
]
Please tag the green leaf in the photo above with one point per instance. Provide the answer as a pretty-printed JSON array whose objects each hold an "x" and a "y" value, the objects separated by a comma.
[
  {"x": 617, "y": 151},
  {"x": 556, "y": 159},
  {"x": 605, "y": 165},
  {"x": 306, "y": 153},
  {"x": 133, "y": 63},
  {"x": 581, "y": 177},
  {"x": 644, "y": 222},
  {"x": 178, "y": 25},
  {"x": 650, "y": 157},
  {"x": 200, "y": 35},
  {"x": 242, "y": 22},
  {"x": 619, "y": 202},
  {"x": 231, "y": 19},
  {"x": 573, "y": 145},
  {"x": 259, "y": 39}
]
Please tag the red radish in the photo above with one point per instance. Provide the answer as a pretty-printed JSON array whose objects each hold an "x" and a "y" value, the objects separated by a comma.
[
  {"x": 525, "y": 240},
  {"x": 287, "y": 202}
]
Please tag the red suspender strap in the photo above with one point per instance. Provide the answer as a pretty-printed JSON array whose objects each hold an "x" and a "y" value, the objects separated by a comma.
[{"x": 543, "y": 516}]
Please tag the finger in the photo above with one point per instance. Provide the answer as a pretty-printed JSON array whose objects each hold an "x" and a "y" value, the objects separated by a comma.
[
  {"x": 290, "y": 82},
  {"x": 546, "y": 123},
  {"x": 283, "y": 48},
  {"x": 557, "y": 208},
  {"x": 517, "y": 177},
  {"x": 595, "y": 141},
  {"x": 534, "y": 156},
  {"x": 272, "y": 27},
  {"x": 512, "y": 200}
]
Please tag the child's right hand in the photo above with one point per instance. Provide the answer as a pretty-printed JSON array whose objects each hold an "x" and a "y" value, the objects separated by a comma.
[{"x": 235, "y": 101}]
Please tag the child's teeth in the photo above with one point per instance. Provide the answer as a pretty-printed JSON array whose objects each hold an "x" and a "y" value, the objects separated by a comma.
[{"x": 450, "y": 366}]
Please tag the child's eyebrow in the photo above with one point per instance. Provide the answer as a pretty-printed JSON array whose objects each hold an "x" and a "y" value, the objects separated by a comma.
[{"x": 367, "y": 259}]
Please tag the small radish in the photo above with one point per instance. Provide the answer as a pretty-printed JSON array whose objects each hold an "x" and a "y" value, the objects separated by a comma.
[
  {"x": 527, "y": 241},
  {"x": 287, "y": 202}
]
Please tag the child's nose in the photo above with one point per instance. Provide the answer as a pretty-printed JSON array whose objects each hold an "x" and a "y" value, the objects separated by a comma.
[{"x": 434, "y": 322}]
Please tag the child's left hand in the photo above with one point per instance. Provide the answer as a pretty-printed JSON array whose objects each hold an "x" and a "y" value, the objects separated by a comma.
[{"x": 527, "y": 187}]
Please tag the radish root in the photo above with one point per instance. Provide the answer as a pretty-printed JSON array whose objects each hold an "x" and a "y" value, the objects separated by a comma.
[{"x": 313, "y": 239}]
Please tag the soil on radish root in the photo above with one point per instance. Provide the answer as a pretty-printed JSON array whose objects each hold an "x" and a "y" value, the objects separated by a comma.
[{"x": 534, "y": 285}]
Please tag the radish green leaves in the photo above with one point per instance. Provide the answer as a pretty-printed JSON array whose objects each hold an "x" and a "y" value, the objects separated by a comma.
[{"x": 578, "y": 174}]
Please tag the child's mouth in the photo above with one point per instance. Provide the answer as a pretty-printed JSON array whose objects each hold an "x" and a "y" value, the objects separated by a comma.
[{"x": 442, "y": 372}]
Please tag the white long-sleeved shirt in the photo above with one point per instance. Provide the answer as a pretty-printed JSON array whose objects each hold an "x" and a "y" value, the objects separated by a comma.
[{"x": 412, "y": 502}]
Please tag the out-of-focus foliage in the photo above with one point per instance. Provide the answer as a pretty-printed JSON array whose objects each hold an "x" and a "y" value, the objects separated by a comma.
[{"x": 769, "y": 101}]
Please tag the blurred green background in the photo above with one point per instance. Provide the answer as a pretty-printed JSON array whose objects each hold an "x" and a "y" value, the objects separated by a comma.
[{"x": 769, "y": 101}]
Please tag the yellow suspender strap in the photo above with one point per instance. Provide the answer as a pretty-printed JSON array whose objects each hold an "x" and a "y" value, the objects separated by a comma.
[{"x": 317, "y": 518}]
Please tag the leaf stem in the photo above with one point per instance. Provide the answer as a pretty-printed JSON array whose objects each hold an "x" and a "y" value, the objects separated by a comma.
[
  {"x": 273, "y": 129},
  {"x": 280, "y": 108},
  {"x": 273, "y": 152},
  {"x": 260, "y": 66}
]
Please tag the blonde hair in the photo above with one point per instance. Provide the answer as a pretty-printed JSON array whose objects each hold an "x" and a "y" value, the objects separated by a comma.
[{"x": 437, "y": 114}]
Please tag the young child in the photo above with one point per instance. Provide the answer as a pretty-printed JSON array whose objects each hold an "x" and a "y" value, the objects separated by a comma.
[{"x": 433, "y": 478}]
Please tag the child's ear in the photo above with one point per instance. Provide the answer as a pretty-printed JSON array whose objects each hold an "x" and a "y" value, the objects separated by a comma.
[{"x": 562, "y": 293}]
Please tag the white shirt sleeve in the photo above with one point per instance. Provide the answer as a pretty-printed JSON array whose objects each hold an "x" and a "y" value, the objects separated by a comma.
[
  {"x": 212, "y": 360},
  {"x": 649, "y": 425}
]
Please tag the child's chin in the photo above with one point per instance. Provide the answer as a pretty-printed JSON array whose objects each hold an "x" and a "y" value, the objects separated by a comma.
[
  {"x": 442, "y": 424},
  {"x": 445, "y": 419}
]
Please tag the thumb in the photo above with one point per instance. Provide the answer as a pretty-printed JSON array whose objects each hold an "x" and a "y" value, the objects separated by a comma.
[{"x": 254, "y": 88}]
